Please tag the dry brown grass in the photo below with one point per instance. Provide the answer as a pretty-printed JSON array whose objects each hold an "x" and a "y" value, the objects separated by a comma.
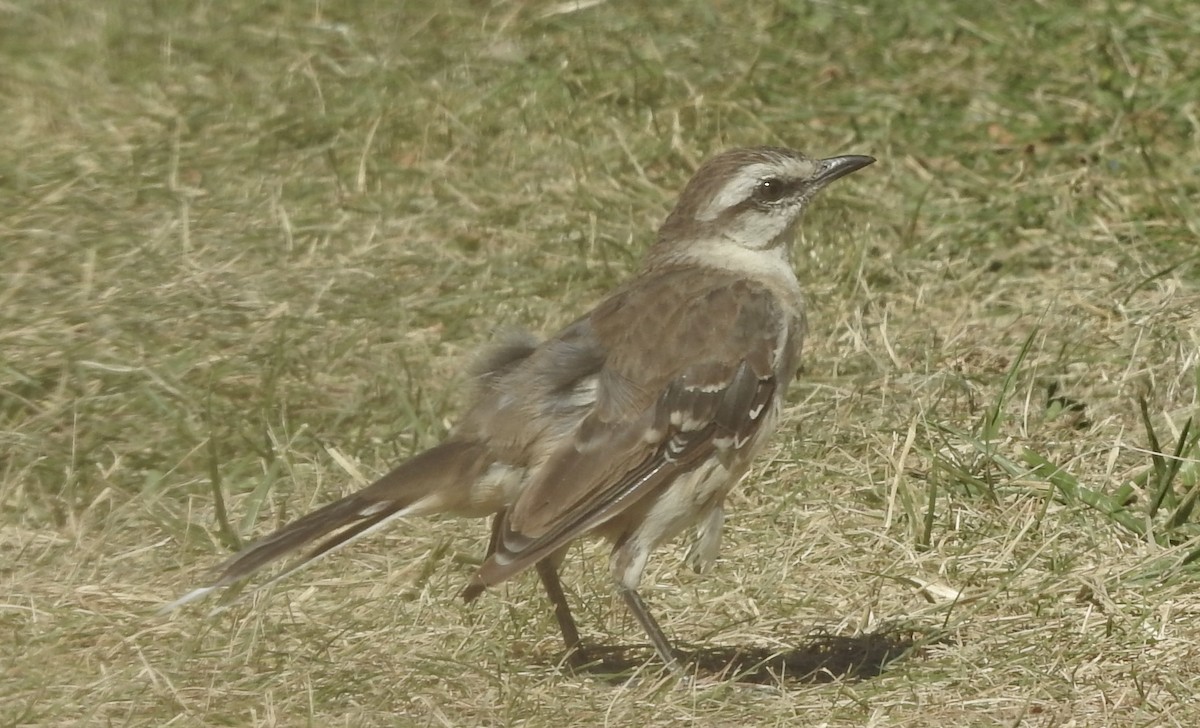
[{"x": 248, "y": 244}]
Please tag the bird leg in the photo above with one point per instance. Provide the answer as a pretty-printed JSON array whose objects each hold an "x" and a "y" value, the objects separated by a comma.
[
  {"x": 494, "y": 539},
  {"x": 548, "y": 573},
  {"x": 562, "y": 612},
  {"x": 637, "y": 606}
]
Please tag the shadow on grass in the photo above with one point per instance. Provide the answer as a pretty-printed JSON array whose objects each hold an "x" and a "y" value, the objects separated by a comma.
[{"x": 823, "y": 658}]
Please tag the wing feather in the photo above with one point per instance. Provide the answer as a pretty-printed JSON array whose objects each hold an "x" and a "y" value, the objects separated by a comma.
[{"x": 711, "y": 398}]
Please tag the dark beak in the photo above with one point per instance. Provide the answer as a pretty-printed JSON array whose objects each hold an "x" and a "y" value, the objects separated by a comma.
[{"x": 838, "y": 167}]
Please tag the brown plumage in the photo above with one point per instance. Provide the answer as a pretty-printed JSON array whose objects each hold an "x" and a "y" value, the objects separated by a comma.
[{"x": 633, "y": 422}]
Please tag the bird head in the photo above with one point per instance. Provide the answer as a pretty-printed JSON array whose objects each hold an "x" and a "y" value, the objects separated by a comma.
[{"x": 751, "y": 198}]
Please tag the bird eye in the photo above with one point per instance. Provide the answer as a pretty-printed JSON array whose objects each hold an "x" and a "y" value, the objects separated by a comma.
[{"x": 771, "y": 189}]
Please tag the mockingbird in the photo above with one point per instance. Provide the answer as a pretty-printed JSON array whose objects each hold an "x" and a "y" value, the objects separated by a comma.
[{"x": 633, "y": 422}]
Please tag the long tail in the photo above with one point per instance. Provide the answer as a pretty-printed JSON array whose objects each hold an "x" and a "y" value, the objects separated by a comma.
[{"x": 434, "y": 481}]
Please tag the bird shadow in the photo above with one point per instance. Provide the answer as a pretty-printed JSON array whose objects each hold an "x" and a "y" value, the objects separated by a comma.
[{"x": 823, "y": 658}]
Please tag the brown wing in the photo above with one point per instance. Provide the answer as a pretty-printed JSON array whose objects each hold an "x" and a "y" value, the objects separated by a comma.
[{"x": 693, "y": 377}]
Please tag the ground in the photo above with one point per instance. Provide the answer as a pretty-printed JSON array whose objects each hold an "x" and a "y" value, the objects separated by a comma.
[{"x": 248, "y": 248}]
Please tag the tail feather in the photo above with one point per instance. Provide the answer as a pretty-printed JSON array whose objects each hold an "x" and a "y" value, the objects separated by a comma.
[
  {"x": 340, "y": 514},
  {"x": 436, "y": 480},
  {"x": 341, "y": 539}
]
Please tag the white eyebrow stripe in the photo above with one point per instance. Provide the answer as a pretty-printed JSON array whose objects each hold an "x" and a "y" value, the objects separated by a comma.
[{"x": 737, "y": 189}]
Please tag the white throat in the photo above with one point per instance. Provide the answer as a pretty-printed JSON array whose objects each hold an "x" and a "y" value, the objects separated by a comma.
[{"x": 769, "y": 264}]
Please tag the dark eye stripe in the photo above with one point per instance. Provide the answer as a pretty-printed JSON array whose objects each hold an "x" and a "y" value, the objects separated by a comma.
[{"x": 772, "y": 189}]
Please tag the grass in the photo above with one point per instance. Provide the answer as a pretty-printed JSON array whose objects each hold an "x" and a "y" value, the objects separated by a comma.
[{"x": 247, "y": 250}]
